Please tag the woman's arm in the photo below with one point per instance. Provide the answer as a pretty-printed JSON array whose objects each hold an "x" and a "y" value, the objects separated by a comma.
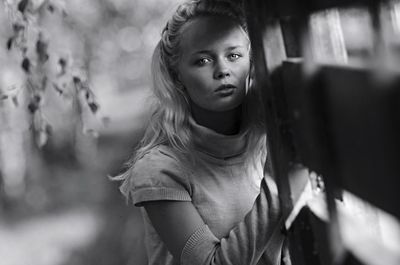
[
  {"x": 174, "y": 221},
  {"x": 189, "y": 240}
]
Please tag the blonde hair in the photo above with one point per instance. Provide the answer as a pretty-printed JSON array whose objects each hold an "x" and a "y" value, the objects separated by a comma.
[{"x": 169, "y": 123}]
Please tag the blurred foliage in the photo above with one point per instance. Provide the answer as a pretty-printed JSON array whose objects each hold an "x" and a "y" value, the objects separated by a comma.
[{"x": 74, "y": 87}]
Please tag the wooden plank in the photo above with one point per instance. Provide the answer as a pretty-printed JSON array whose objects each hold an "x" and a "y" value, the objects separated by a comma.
[
  {"x": 269, "y": 53},
  {"x": 364, "y": 122},
  {"x": 364, "y": 245},
  {"x": 263, "y": 32},
  {"x": 309, "y": 126},
  {"x": 327, "y": 42},
  {"x": 312, "y": 146},
  {"x": 293, "y": 8},
  {"x": 361, "y": 119}
]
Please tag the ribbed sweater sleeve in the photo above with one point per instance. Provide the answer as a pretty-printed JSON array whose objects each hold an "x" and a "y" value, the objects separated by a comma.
[
  {"x": 157, "y": 176},
  {"x": 257, "y": 235}
]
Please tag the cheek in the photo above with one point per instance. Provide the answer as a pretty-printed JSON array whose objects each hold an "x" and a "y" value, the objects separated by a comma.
[
  {"x": 195, "y": 80},
  {"x": 243, "y": 74},
  {"x": 192, "y": 85},
  {"x": 242, "y": 70},
  {"x": 246, "y": 69}
]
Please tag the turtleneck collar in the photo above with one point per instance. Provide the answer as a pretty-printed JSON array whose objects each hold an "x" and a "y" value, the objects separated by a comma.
[{"x": 218, "y": 145}]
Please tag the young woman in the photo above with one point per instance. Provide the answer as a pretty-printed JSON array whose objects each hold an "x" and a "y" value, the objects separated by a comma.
[{"x": 198, "y": 174}]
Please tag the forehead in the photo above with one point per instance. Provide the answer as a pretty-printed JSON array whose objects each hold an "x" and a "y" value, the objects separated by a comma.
[{"x": 209, "y": 33}]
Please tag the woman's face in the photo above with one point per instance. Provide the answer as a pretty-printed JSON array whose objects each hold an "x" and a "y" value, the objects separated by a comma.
[{"x": 214, "y": 63}]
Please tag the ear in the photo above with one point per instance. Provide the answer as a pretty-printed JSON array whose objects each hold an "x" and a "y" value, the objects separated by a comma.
[
  {"x": 250, "y": 77},
  {"x": 252, "y": 70}
]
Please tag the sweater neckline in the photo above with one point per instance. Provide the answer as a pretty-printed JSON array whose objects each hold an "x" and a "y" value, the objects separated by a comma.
[{"x": 218, "y": 145}]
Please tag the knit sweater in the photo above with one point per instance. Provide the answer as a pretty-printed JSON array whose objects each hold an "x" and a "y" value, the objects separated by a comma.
[{"x": 229, "y": 191}]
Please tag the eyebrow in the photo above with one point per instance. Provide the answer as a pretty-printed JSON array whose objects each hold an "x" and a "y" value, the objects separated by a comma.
[{"x": 209, "y": 51}]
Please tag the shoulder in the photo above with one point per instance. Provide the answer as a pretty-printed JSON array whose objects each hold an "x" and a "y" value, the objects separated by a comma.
[
  {"x": 158, "y": 157},
  {"x": 158, "y": 175}
]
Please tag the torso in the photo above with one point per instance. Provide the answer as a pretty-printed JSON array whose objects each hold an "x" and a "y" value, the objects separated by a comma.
[
  {"x": 222, "y": 186},
  {"x": 222, "y": 190}
]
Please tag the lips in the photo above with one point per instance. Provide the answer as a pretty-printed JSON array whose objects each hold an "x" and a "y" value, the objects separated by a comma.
[{"x": 224, "y": 87}]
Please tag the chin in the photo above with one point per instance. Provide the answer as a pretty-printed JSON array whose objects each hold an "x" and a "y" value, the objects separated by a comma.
[{"x": 228, "y": 107}]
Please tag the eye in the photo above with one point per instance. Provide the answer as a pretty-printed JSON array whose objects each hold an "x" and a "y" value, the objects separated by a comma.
[
  {"x": 202, "y": 61},
  {"x": 234, "y": 56}
]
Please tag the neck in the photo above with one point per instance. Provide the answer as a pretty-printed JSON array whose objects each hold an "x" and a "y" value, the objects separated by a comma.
[{"x": 225, "y": 122}]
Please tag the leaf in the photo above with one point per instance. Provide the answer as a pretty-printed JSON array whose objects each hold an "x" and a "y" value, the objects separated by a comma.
[
  {"x": 15, "y": 100},
  {"x": 106, "y": 121},
  {"x": 44, "y": 83},
  {"x": 94, "y": 107},
  {"x": 41, "y": 138},
  {"x": 41, "y": 50},
  {"x": 17, "y": 27},
  {"x": 26, "y": 65},
  {"x": 36, "y": 99},
  {"x": 33, "y": 107},
  {"x": 44, "y": 57},
  {"x": 50, "y": 7},
  {"x": 10, "y": 43},
  {"x": 91, "y": 132},
  {"x": 49, "y": 129},
  {"x": 58, "y": 89},
  {"x": 76, "y": 80},
  {"x": 22, "y": 5},
  {"x": 63, "y": 64}
]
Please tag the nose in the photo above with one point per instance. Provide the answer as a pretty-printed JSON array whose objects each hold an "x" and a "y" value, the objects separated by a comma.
[{"x": 221, "y": 70}]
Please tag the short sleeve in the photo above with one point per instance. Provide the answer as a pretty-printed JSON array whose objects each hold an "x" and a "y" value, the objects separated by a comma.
[{"x": 158, "y": 176}]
